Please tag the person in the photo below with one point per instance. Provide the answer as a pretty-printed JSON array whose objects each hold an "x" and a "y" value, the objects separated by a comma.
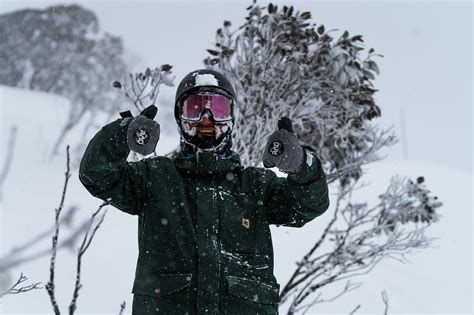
[{"x": 203, "y": 219}]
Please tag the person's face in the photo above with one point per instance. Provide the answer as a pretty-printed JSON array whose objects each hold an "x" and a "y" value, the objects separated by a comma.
[{"x": 206, "y": 127}]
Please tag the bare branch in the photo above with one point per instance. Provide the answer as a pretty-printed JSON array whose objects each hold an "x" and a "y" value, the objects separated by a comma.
[
  {"x": 348, "y": 287},
  {"x": 122, "y": 308},
  {"x": 92, "y": 228},
  {"x": 50, "y": 286},
  {"x": 385, "y": 301},
  {"x": 354, "y": 310},
  {"x": 292, "y": 283},
  {"x": 15, "y": 289}
]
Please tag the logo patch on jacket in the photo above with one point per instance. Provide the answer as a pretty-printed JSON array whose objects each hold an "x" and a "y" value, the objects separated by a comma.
[{"x": 246, "y": 223}]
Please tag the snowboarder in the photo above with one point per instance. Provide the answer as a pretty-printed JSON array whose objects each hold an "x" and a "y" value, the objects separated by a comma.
[{"x": 203, "y": 219}]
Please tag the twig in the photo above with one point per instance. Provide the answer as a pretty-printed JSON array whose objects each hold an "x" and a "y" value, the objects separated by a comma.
[
  {"x": 15, "y": 290},
  {"x": 140, "y": 86},
  {"x": 385, "y": 301},
  {"x": 292, "y": 283},
  {"x": 122, "y": 308},
  {"x": 94, "y": 226},
  {"x": 354, "y": 310},
  {"x": 50, "y": 288}
]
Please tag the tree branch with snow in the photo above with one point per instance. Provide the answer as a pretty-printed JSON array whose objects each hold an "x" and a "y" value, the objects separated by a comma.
[
  {"x": 141, "y": 86},
  {"x": 360, "y": 237}
]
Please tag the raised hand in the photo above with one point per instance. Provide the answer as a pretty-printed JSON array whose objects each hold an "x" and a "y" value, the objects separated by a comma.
[
  {"x": 143, "y": 132},
  {"x": 283, "y": 149}
]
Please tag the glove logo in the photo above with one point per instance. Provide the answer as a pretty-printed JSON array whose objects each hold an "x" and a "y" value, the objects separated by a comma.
[
  {"x": 276, "y": 148},
  {"x": 141, "y": 136}
]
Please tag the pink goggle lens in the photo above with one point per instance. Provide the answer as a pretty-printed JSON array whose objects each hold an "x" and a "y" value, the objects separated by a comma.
[{"x": 195, "y": 104}]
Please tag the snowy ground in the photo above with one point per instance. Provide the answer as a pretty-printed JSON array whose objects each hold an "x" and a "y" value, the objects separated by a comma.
[{"x": 438, "y": 280}]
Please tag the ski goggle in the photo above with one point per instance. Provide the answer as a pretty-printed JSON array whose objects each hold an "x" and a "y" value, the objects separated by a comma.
[{"x": 194, "y": 105}]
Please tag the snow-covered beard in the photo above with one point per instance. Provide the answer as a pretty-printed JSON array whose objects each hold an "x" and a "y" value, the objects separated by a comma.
[{"x": 218, "y": 143}]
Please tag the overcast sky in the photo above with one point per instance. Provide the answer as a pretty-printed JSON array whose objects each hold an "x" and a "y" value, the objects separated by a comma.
[{"x": 426, "y": 71}]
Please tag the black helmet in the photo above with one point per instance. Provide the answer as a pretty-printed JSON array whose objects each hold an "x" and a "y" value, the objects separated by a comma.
[
  {"x": 202, "y": 80},
  {"x": 199, "y": 81}
]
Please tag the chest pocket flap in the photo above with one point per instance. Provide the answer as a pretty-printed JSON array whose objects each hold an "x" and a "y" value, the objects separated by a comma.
[{"x": 160, "y": 285}]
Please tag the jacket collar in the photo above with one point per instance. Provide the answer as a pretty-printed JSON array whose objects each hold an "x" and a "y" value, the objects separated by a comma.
[{"x": 207, "y": 163}]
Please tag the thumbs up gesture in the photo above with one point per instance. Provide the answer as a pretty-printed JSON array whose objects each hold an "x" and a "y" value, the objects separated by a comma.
[
  {"x": 143, "y": 132},
  {"x": 283, "y": 149}
]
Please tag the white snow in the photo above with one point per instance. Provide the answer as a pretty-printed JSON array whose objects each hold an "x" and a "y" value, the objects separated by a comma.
[
  {"x": 205, "y": 79},
  {"x": 186, "y": 127},
  {"x": 222, "y": 128},
  {"x": 437, "y": 281},
  {"x": 241, "y": 261},
  {"x": 309, "y": 158}
]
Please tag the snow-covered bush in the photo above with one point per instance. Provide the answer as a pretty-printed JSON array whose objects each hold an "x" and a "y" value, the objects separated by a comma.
[
  {"x": 360, "y": 236},
  {"x": 281, "y": 64}
]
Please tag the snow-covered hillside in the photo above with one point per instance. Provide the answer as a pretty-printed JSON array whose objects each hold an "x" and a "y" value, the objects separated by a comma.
[{"x": 438, "y": 279}]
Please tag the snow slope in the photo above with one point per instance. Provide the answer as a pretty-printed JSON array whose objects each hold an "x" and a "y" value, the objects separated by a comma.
[{"x": 438, "y": 280}]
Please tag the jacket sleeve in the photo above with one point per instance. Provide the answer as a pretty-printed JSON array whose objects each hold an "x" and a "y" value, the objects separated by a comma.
[
  {"x": 107, "y": 175},
  {"x": 299, "y": 198}
]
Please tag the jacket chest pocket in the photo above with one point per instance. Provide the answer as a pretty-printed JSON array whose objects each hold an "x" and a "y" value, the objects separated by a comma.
[{"x": 239, "y": 223}]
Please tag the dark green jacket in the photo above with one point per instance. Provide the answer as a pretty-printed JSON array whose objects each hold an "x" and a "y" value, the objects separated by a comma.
[{"x": 204, "y": 238}]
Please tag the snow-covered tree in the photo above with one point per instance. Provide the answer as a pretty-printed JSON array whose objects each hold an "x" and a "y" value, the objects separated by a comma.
[
  {"x": 283, "y": 64},
  {"x": 61, "y": 50}
]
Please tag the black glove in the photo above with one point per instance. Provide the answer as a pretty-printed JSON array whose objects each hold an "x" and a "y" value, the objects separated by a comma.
[
  {"x": 283, "y": 149},
  {"x": 143, "y": 132}
]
